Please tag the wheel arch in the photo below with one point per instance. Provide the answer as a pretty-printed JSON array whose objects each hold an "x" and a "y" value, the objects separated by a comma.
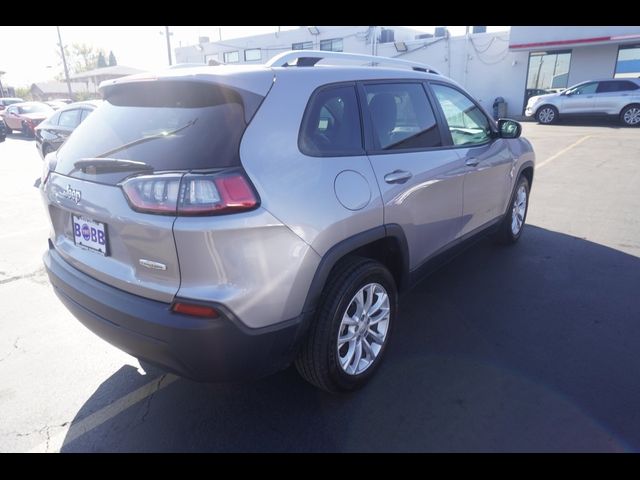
[
  {"x": 527, "y": 169},
  {"x": 385, "y": 243},
  {"x": 632, "y": 104}
]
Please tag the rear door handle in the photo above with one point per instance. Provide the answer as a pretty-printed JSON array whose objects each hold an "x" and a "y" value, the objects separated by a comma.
[
  {"x": 397, "y": 176},
  {"x": 472, "y": 162}
]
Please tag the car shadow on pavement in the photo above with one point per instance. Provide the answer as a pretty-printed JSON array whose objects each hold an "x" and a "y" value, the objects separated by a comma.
[{"x": 532, "y": 347}]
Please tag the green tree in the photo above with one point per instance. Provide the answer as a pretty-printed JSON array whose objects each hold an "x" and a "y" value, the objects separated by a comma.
[
  {"x": 112, "y": 60},
  {"x": 24, "y": 93},
  {"x": 80, "y": 58},
  {"x": 101, "y": 61}
]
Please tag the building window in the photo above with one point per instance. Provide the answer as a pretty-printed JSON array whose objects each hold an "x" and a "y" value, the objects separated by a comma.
[
  {"x": 628, "y": 64},
  {"x": 548, "y": 70},
  {"x": 302, "y": 46},
  {"x": 255, "y": 54},
  {"x": 331, "y": 45},
  {"x": 231, "y": 57}
]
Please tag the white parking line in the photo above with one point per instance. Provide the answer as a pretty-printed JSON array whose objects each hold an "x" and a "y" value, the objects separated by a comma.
[
  {"x": 564, "y": 150},
  {"x": 72, "y": 432}
]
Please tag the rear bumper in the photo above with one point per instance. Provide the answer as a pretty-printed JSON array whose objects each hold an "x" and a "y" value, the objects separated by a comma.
[{"x": 207, "y": 350}]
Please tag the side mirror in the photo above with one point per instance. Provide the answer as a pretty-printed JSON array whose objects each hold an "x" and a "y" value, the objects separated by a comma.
[{"x": 509, "y": 128}]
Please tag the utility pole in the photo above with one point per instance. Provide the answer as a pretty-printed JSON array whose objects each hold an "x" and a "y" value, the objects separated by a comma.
[
  {"x": 466, "y": 56},
  {"x": 166, "y": 29},
  {"x": 64, "y": 63}
]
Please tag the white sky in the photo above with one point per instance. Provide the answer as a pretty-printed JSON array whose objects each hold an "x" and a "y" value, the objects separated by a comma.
[{"x": 33, "y": 58}]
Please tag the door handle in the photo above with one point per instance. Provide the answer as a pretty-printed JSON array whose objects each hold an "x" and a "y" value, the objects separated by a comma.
[
  {"x": 397, "y": 176},
  {"x": 472, "y": 162}
]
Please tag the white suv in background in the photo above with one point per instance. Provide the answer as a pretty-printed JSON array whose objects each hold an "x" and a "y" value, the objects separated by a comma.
[{"x": 620, "y": 97}]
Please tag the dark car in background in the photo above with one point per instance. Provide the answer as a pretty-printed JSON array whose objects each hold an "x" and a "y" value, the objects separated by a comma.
[
  {"x": 25, "y": 116},
  {"x": 6, "y": 101},
  {"x": 3, "y": 131},
  {"x": 52, "y": 133}
]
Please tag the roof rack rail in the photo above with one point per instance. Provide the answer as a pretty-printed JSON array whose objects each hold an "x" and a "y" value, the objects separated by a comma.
[{"x": 308, "y": 58}]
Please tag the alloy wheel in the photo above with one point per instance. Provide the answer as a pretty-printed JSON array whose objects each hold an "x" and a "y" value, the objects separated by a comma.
[
  {"x": 363, "y": 329},
  {"x": 632, "y": 116},
  {"x": 546, "y": 115},
  {"x": 518, "y": 210}
]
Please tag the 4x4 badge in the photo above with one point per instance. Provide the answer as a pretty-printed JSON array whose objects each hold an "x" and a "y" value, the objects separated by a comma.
[{"x": 71, "y": 194}]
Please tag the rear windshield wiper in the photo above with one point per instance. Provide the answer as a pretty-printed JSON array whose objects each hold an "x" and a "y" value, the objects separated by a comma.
[
  {"x": 103, "y": 165},
  {"x": 146, "y": 139}
]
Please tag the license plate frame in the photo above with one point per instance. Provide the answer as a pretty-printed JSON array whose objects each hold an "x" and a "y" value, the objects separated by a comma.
[{"x": 89, "y": 235}]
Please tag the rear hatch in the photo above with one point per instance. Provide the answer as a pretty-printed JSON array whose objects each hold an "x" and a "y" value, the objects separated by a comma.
[{"x": 158, "y": 129}]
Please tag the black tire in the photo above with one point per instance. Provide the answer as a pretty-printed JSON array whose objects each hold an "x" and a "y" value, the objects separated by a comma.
[
  {"x": 629, "y": 121},
  {"x": 318, "y": 358},
  {"x": 505, "y": 234},
  {"x": 26, "y": 131},
  {"x": 547, "y": 115}
]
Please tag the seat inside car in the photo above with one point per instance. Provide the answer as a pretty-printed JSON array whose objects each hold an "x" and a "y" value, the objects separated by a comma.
[{"x": 384, "y": 114}]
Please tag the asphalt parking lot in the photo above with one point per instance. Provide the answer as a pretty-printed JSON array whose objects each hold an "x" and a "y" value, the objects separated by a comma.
[{"x": 525, "y": 348}]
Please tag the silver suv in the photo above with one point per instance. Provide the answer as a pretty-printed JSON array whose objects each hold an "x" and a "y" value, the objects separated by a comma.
[
  {"x": 223, "y": 222},
  {"x": 619, "y": 98}
]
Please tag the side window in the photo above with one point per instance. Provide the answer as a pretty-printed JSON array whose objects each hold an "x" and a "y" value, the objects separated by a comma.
[
  {"x": 85, "y": 113},
  {"x": 69, "y": 118},
  {"x": 467, "y": 124},
  {"x": 54, "y": 119},
  {"x": 331, "y": 124},
  {"x": 586, "y": 89},
  {"x": 607, "y": 87},
  {"x": 402, "y": 116},
  {"x": 626, "y": 86},
  {"x": 11, "y": 110}
]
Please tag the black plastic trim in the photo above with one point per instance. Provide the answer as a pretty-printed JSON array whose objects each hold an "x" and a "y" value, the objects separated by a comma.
[
  {"x": 344, "y": 247},
  {"x": 203, "y": 349}
]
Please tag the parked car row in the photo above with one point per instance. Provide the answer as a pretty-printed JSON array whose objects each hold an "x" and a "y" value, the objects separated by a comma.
[
  {"x": 6, "y": 101},
  {"x": 50, "y": 123}
]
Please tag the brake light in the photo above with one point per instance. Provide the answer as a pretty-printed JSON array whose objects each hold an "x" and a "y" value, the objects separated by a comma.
[
  {"x": 191, "y": 194},
  {"x": 194, "y": 310},
  {"x": 48, "y": 166}
]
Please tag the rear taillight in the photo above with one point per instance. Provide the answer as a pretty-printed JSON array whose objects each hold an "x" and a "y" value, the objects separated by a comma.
[
  {"x": 49, "y": 165},
  {"x": 191, "y": 194}
]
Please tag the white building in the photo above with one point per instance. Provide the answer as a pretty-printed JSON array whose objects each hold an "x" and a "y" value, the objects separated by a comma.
[
  {"x": 503, "y": 64},
  {"x": 260, "y": 48}
]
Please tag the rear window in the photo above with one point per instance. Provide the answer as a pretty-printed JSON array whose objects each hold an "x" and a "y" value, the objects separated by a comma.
[{"x": 169, "y": 125}]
